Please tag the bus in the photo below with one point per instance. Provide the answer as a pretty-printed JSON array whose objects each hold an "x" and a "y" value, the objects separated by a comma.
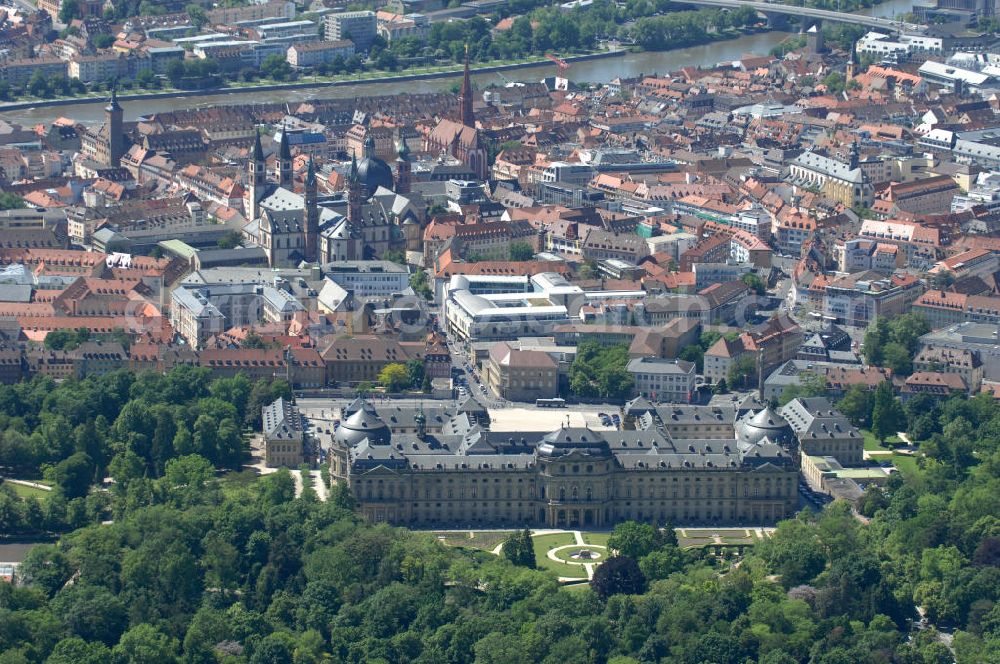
[{"x": 550, "y": 403}]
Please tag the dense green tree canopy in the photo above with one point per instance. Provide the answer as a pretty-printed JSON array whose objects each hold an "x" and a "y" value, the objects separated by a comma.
[
  {"x": 893, "y": 342},
  {"x": 123, "y": 425},
  {"x": 634, "y": 540},
  {"x": 192, "y": 567},
  {"x": 600, "y": 372},
  {"x": 519, "y": 549},
  {"x": 619, "y": 575}
]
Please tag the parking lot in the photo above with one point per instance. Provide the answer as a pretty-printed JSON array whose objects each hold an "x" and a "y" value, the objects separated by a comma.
[
  {"x": 544, "y": 419},
  {"x": 810, "y": 498}
]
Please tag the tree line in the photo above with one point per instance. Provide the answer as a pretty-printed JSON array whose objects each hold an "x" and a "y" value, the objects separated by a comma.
[
  {"x": 191, "y": 567},
  {"x": 121, "y": 425},
  {"x": 202, "y": 570},
  {"x": 540, "y": 28},
  {"x": 600, "y": 372}
]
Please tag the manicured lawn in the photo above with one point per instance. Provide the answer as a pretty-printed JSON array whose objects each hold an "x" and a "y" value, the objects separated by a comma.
[
  {"x": 694, "y": 542},
  {"x": 601, "y": 553},
  {"x": 577, "y": 587},
  {"x": 702, "y": 537},
  {"x": 906, "y": 464},
  {"x": 483, "y": 540},
  {"x": 28, "y": 491},
  {"x": 871, "y": 443},
  {"x": 731, "y": 532},
  {"x": 561, "y": 570},
  {"x": 234, "y": 482},
  {"x": 596, "y": 538},
  {"x": 543, "y": 543}
]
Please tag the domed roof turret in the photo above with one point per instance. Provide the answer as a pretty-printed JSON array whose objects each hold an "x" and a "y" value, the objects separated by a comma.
[
  {"x": 766, "y": 423},
  {"x": 113, "y": 104},
  {"x": 562, "y": 442},
  {"x": 374, "y": 173},
  {"x": 362, "y": 422},
  {"x": 402, "y": 150}
]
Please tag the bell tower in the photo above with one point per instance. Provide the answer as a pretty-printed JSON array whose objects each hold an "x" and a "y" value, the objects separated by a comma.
[
  {"x": 354, "y": 193},
  {"x": 369, "y": 145},
  {"x": 284, "y": 161},
  {"x": 311, "y": 213},
  {"x": 256, "y": 178},
  {"x": 403, "y": 167},
  {"x": 468, "y": 116},
  {"x": 114, "y": 115}
]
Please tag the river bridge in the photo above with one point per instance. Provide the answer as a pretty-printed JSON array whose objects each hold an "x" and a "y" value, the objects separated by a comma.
[{"x": 777, "y": 12}]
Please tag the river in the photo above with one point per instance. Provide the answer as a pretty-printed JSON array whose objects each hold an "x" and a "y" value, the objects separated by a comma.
[{"x": 593, "y": 71}]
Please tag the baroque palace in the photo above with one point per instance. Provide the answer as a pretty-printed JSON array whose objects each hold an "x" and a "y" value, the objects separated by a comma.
[{"x": 443, "y": 466}]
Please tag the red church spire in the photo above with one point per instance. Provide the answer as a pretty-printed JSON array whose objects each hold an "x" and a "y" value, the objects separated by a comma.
[{"x": 465, "y": 96}]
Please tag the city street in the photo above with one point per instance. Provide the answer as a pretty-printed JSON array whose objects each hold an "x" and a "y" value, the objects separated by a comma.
[{"x": 473, "y": 384}]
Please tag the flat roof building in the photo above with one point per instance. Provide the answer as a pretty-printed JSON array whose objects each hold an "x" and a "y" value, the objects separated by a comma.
[{"x": 360, "y": 27}]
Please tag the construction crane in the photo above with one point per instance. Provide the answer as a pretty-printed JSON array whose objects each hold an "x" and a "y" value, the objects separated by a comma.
[{"x": 562, "y": 64}]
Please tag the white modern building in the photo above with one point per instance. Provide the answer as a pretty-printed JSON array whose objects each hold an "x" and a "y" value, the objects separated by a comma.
[
  {"x": 673, "y": 245},
  {"x": 902, "y": 48},
  {"x": 567, "y": 173},
  {"x": 530, "y": 310},
  {"x": 360, "y": 27},
  {"x": 483, "y": 308},
  {"x": 369, "y": 278},
  {"x": 939, "y": 73}
]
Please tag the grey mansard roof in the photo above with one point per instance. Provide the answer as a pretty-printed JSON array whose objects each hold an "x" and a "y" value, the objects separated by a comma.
[
  {"x": 459, "y": 443},
  {"x": 814, "y": 418},
  {"x": 581, "y": 441},
  {"x": 363, "y": 424},
  {"x": 765, "y": 424},
  {"x": 282, "y": 421},
  {"x": 829, "y": 167}
]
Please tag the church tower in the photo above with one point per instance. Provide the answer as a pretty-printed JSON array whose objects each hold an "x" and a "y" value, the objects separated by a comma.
[
  {"x": 369, "y": 145},
  {"x": 256, "y": 178},
  {"x": 852, "y": 64},
  {"x": 468, "y": 116},
  {"x": 403, "y": 167},
  {"x": 284, "y": 161},
  {"x": 311, "y": 213},
  {"x": 354, "y": 193},
  {"x": 114, "y": 115}
]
